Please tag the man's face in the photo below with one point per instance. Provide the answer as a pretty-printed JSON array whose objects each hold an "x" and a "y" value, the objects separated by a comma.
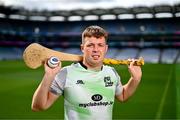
[{"x": 94, "y": 50}]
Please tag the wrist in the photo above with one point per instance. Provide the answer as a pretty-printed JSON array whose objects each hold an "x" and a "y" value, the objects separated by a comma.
[
  {"x": 136, "y": 79},
  {"x": 49, "y": 75}
]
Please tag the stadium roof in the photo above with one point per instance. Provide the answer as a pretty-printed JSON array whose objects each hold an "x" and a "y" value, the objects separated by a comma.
[
  {"x": 16, "y": 11},
  {"x": 52, "y": 5}
]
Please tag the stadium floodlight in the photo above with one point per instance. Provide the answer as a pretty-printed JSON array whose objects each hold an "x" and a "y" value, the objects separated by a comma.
[
  {"x": 126, "y": 16},
  {"x": 2, "y": 15},
  {"x": 144, "y": 16},
  {"x": 37, "y": 18},
  {"x": 19, "y": 17},
  {"x": 91, "y": 17},
  {"x": 177, "y": 14},
  {"x": 74, "y": 18},
  {"x": 108, "y": 17},
  {"x": 57, "y": 18},
  {"x": 163, "y": 15}
]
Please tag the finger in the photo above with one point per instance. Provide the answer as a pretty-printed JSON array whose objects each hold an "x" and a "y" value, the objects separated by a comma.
[
  {"x": 132, "y": 63},
  {"x": 129, "y": 60},
  {"x": 59, "y": 64},
  {"x": 45, "y": 63}
]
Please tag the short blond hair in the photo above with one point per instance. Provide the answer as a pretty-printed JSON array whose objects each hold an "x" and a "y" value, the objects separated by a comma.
[{"x": 94, "y": 31}]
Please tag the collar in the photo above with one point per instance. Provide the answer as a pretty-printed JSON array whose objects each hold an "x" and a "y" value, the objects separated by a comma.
[{"x": 85, "y": 67}]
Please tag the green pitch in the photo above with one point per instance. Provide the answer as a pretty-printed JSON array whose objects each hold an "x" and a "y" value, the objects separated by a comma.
[{"x": 157, "y": 97}]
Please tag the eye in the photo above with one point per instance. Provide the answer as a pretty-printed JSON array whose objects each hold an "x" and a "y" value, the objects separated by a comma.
[
  {"x": 101, "y": 45},
  {"x": 89, "y": 45}
]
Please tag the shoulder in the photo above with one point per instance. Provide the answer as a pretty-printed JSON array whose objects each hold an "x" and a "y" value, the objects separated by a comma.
[
  {"x": 63, "y": 71},
  {"x": 68, "y": 68},
  {"x": 109, "y": 69},
  {"x": 106, "y": 67}
]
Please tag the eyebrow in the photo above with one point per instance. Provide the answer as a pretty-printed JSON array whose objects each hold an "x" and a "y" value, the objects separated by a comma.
[{"x": 97, "y": 43}]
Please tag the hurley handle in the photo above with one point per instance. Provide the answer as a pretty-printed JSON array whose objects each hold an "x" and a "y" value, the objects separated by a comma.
[{"x": 138, "y": 62}]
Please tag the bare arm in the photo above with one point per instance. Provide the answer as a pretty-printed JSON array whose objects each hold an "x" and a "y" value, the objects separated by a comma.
[
  {"x": 42, "y": 98},
  {"x": 130, "y": 87}
]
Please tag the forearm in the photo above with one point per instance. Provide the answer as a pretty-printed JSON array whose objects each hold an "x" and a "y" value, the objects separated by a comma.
[
  {"x": 130, "y": 87},
  {"x": 40, "y": 96}
]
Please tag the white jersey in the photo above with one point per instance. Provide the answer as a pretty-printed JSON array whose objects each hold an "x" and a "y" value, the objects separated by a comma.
[{"x": 88, "y": 95}]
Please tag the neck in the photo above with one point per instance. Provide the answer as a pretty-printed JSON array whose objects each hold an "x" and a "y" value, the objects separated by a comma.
[{"x": 93, "y": 67}]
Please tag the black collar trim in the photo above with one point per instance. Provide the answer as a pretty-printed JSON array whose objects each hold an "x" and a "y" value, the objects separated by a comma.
[
  {"x": 84, "y": 66},
  {"x": 81, "y": 63}
]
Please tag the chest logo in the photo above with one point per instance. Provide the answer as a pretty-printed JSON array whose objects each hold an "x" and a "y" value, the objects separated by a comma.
[
  {"x": 107, "y": 81},
  {"x": 80, "y": 82},
  {"x": 97, "y": 97}
]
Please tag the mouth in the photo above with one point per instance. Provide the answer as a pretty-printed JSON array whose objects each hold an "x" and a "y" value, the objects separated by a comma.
[{"x": 95, "y": 57}]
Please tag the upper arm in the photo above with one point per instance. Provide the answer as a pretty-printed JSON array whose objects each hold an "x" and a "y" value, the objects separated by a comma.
[
  {"x": 51, "y": 99},
  {"x": 45, "y": 104},
  {"x": 120, "y": 97},
  {"x": 57, "y": 87},
  {"x": 119, "y": 87}
]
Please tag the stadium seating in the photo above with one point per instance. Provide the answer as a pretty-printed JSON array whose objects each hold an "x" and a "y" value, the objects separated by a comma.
[
  {"x": 113, "y": 27},
  {"x": 129, "y": 35},
  {"x": 178, "y": 59},
  {"x": 169, "y": 56},
  {"x": 150, "y": 55},
  {"x": 112, "y": 52},
  {"x": 127, "y": 53},
  {"x": 10, "y": 53},
  {"x": 72, "y": 51}
]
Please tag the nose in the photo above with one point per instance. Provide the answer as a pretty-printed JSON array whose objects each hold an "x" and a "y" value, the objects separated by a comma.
[{"x": 95, "y": 48}]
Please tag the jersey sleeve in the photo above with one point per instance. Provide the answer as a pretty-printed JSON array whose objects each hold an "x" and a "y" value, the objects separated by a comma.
[
  {"x": 57, "y": 86},
  {"x": 119, "y": 87}
]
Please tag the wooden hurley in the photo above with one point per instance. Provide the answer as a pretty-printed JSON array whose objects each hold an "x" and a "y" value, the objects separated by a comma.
[{"x": 35, "y": 55}]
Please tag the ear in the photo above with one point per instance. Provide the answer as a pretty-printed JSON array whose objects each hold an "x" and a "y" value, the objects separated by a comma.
[
  {"x": 82, "y": 48},
  {"x": 106, "y": 48}
]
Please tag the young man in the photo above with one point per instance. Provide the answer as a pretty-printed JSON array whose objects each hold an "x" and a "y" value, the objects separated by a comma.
[{"x": 88, "y": 87}]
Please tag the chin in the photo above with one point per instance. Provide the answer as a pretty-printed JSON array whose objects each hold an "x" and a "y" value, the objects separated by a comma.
[{"x": 97, "y": 61}]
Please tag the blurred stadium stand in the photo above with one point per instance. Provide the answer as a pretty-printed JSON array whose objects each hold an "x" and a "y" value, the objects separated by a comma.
[
  {"x": 150, "y": 55},
  {"x": 154, "y": 37},
  {"x": 169, "y": 55},
  {"x": 127, "y": 53},
  {"x": 10, "y": 53}
]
